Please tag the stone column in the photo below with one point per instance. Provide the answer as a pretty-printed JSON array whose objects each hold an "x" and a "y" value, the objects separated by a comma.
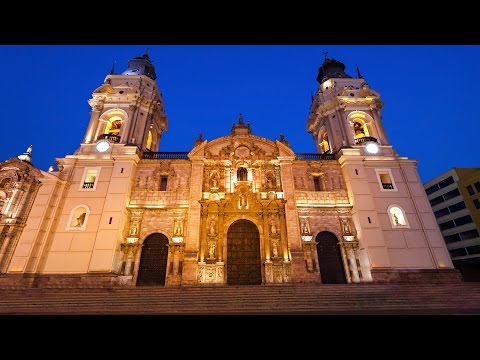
[
  {"x": 266, "y": 233},
  {"x": 93, "y": 124},
  {"x": 283, "y": 238},
  {"x": 203, "y": 232},
  {"x": 350, "y": 248},
  {"x": 221, "y": 232}
]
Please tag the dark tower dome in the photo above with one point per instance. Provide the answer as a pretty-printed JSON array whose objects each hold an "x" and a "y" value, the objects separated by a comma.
[
  {"x": 331, "y": 68},
  {"x": 141, "y": 65}
]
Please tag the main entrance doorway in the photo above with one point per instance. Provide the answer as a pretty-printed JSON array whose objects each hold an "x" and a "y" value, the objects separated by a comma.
[
  {"x": 153, "y": 261},
  {"x": 244, "y": 264},
  {"x": 330, "y": 259}
]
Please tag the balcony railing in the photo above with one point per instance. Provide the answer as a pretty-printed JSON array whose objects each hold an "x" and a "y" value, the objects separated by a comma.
[
  {"x": 111, "y": 137},
  {"x": 387, "y": 186},
  {"x": 365, "y": 139},
  {"x": 165, "y": 155},
  {"x": 88, "y": 185},
  {"x": 313, "y": 156}
]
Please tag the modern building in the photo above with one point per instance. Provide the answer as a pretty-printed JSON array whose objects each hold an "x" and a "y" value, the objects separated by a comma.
[
  {"x": 239, "y": 209},
  {"x": 455, "y": 200}
]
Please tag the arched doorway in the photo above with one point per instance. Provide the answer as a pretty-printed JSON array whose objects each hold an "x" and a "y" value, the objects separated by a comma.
[
  {"x": 330, "y": 259},
  {"x": 244, "y": 265},
  {"x": 153, "y": 261}
]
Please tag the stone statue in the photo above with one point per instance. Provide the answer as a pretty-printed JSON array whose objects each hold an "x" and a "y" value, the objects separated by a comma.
[
  {"x": 81, "y": 219},
  {"x": 178, "y": 229},
  {"x": 305, "y": 228},
  {"x": 346, "y": 228},
  {"x": 274, "y": 249},
  {"x": 211, "y": 230},
  {"x": 211, "y": 250},
  {"x": 243, "y": 201},
  {"x": 134, "y": 230},
  {"x": 273, "y": 226},
  {"x": 395, "y": 219}
]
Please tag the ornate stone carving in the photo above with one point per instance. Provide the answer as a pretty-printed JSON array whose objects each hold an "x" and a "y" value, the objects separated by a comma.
[{"x": 210, "y": 273}]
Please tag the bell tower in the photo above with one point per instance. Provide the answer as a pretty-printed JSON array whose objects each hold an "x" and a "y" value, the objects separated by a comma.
[
  {"x": 394, "y": 224},
  {"x": 127, "y": 109},
  {"x": 345, "y": 113}
]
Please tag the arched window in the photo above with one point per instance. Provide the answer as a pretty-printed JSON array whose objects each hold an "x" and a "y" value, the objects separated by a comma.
[
  {"x": 397, "y": 216},
  {"x": 242, "y": 174},
  {"x": 360, "y": 129},
  {"x": 113, "y": 126},
  {"x": 78, "y": 218}
]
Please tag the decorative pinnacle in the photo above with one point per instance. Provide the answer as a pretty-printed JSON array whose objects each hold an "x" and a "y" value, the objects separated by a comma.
[
  {"x": 145, "y": 55},
  {"x": 325, "y": 55},
  {"x": 112, "y": 72},
  {"x": 359, "y": 74},
  {"x": 240, "y": 119}
]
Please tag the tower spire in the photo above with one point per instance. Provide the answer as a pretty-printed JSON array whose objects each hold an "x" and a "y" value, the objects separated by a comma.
[
  {"x": 359, "y": 74},
  {"x": 112, "y": 72}
]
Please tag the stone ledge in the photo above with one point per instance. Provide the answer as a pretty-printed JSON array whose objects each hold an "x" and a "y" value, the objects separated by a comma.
[{"x": 416, "y": 276}]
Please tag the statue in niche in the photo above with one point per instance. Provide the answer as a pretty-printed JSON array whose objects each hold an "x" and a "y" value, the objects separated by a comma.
[
  {"x": 211, "y": 250},
  {"x": 81, "y": 219},
  {"x": 243, "y": 201},
  {"x": 345, "y": 227},
  {"x": 275, "y": 249},
  {"x": 178, "y": 228},
  {"x": 395, "y": 219},
  {"x": 211, "y": 229},
  {"x": 273, "y": 225},
  {"x": 214, "y": 180},
  {"x": 134, "y": 230},
  {"x": 306, "y": 230},
  {"x": 269, "y": 182}
]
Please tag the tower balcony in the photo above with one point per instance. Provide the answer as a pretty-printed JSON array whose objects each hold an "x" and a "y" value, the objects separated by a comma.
[
  {"x": 365, "y": 139},
  {"x": 111, "y": 137}
]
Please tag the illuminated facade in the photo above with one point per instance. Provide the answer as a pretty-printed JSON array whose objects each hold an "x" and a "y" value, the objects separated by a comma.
[{"x": 239, "y": 209}]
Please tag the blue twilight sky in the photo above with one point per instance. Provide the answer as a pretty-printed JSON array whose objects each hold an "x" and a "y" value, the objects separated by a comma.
[{"x": 430, "y": 95}]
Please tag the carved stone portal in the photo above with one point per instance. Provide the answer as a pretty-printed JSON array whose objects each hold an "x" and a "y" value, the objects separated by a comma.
[{"x": 210, "y": 273}]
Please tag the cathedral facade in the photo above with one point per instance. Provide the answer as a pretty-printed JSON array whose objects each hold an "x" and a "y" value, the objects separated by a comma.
[{"x": 237, "y": 210}]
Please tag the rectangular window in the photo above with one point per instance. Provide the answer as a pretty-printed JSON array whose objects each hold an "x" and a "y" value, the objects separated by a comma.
[
  {"x": 452, "y": 238},
  {"x": 470, "y": 190},
  {"x": 477, "y": 186},
  {"x": 473, "y": 250},
  {"x": 451, "y": 194},
  {"x": 432, "y": 189},
  {"x": 458, "y": 252},
  {"x": 441, "y": 212},
  {"x": 90, "y": 179},
  {"x": 385, "y": 179},
  {"x": 316, "y": 183},
  {"x": 445, "y": 182},
  {"x": 163, "y": 183},
  {"x": 470, "y": 234},
  {"x": 476, "y": 202},
  {"x": 437, "y": 200},
  {"x": 447, "y": 225},
  {"x": 457, "y": 207},
  {"x": 467, "y": 219}
]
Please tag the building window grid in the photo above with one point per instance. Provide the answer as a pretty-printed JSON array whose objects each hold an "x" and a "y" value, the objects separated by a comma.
[
  {"x": 476, "y": 202},
  {"x": 477, "y": 186},
  {"x": 447, "y": 196},
  {"x": 439, "y": 185}
]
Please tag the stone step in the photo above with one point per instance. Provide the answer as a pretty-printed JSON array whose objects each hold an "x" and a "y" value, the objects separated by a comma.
[{"x": 316, "y": 299}]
